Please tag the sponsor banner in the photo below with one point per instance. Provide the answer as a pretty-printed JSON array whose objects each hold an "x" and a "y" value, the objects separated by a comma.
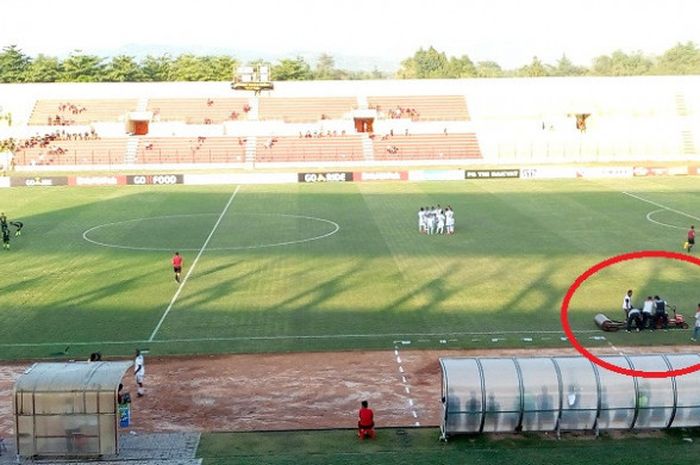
[
  {"x": 381, "y": 176},
  {"x": 332, "y": 176},
  {"x": 239, "y": 178},
  {"x": 660, "y": 171},
  {"x": 40, "y": 181},
  {"x": 492, "y": 174},
  {"x": 4, "y": 181},
  {"x": 436, "y": 175},
  {"x": 546, "y": 172},
  {"x": 694, "y": 170},
  {"x": 97, "y": 180},
  {"x": 154, "y": 179},
  {"x": 609, "y": 172}
]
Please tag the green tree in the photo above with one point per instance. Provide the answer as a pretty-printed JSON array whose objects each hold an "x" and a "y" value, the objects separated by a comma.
[
  {"x": 424, "y": 64},
  {"x": 13, "y": 64},
  {"x": 680, "y": 59},
  {"x": 82, "y": 68},
  {"x": 44, "y": 69},
  {"x": 566, "y": 68},
  {"x": 535, "y": 69},
  {"x": 156, "y": 69},
  {"x": 292, "y": 70},
  {"x": 622, "y": 64},
  {"x": 122, "y": 68},
  {"x": 488, "y": 69},
  {"x": 461, "y": 67},
  {"x": 186, "y": 67},
  {"x": 219, "y": 68},
  {"x": 325, "y": 68}
]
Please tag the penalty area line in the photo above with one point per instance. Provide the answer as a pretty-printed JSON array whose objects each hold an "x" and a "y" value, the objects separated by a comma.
[
  {"x": 194, "y": 264},
  {"x": 656, "y": 204}
]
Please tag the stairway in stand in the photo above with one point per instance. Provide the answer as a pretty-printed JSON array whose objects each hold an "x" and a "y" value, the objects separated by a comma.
[
  {"x": 687, "y": 138},
  {"x": 367, "y": 147},
  {"x": 142, "y": 105},
  {"x": 688, "y": 143},
  {"x": 254, "y": 103},
  {"x": 132, "y": 147},
  {"x": 250, "y": 150}
]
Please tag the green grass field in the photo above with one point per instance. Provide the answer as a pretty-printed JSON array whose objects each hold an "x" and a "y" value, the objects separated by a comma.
[
  {"x": 263, "y": 283},
  {"x": 421, "y": 446}
]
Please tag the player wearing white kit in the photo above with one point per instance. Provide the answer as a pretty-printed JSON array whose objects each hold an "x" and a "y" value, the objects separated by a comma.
[
  {"x": 421, "y": 220},
  {"x": 430, "y": 221},
  {"x": 139, "y": 372},
  {"x": 440, "y": 222},
  {"x": 450, "y": 220}
]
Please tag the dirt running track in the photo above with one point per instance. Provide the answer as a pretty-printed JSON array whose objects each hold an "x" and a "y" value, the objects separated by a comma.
[{"x": 286, "y": 391}]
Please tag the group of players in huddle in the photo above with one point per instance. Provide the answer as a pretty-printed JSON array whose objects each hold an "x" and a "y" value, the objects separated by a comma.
[
  {"x": 436, "y": 220},
  {"x": 5, "y": 226}
]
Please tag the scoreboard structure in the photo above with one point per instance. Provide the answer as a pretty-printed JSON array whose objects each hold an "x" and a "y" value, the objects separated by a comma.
[{"x": 255, "y": 78}]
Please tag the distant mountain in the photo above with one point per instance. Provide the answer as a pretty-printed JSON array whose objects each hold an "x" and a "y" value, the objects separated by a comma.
[{"x": 348, "y": 62}]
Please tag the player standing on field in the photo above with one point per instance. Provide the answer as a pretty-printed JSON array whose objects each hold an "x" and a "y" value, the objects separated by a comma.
[
  {"x": 691, "y": 237},
  {"x": 6, "y": 238},
  {"x": 177, "y": 266},
  {"x": 139, "y": 372}
]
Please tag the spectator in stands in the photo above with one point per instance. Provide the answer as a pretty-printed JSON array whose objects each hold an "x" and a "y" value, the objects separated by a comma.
[
  {"x": 246, "y": 108},
  {"x": 233, "y": 115},
  {"x": 210, "y": 102}
]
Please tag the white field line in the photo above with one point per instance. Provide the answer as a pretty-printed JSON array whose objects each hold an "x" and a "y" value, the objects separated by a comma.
[
  {"x": 651, "y": 202},
  {"x": 194, "y": 264},
  {"x": 406, "y": 386},
  {"x": 665, "y": 225},
  {"x": 279, "y": 338},
  {"x": 336, "y": 228}
]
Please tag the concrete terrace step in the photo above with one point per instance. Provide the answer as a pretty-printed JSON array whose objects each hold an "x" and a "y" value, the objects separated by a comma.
[
  {"x": 367, "y": 147},
  {"x": 132, "y": 147}
]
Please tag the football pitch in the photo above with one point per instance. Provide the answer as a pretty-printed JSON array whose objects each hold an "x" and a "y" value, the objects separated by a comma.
[{"x": 336, "y": 266}]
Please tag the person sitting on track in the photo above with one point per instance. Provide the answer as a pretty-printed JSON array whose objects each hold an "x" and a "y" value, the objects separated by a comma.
[
  {"x": 365, "y": 424},
  {"x": 660, "y": 313},
  {"x": 648, "y": 314}
]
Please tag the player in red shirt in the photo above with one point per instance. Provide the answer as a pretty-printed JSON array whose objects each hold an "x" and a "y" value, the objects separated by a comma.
[
  {"x": 177, "y": 266},
  {"x": 691, "y": 237},
  {"x": 365, "y": 425}
]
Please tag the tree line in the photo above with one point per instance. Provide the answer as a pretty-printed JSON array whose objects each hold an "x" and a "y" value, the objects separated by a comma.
[{"x": 18, "y": 67}]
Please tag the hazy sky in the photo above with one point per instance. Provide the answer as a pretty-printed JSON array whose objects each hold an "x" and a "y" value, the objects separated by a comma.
[{"x": 507, "y": 31}]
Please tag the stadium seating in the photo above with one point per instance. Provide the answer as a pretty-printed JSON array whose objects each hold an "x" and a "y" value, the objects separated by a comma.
[
  {"x": 298, "y": 149},
  {"x": 109, "y": 151},
  {"x": 425, "y": 107},
  {"x": 70, "y": 112},
  {"x": 199, "y": 110},
  {"x": 155, "y": 150},
  {"x": 306, "y": 109},
  {"x": 427, "y": 147}
]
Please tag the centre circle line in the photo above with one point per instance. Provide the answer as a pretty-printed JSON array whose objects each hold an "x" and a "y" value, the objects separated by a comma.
[{"x": 85, "y": 235}]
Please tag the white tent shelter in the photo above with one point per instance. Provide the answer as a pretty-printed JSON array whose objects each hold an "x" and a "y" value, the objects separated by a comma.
[
  {"x": 566, "y": 393},
  {"x": 68, "y": 409}
]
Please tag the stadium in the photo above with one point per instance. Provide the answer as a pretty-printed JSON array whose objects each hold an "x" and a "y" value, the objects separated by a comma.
[{"x": 309, "y": 282}]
